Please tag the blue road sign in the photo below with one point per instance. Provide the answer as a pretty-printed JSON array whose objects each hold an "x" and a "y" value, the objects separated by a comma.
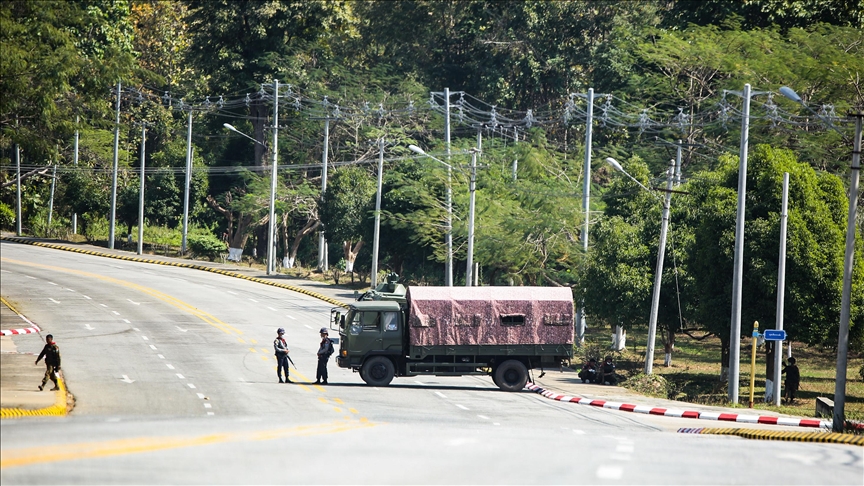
[{"x": 775, "y": 335}]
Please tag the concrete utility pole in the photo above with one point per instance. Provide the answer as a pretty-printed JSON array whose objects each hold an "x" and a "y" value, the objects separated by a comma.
[
  {"x": 448, "y": 264},
  {"x": 781, "y": 286},
  {"x": 51, "y": 199},
  {"x": 18, "y": 189},
  {"x": 735, "y": 332},
  {"x": 373, "y": 280},
  {"x": 75, "y": 215},
  {"x": 113, "y": 218},
  {"x": 322, "y": 252},
  {"x": 658, "y": 275},
  {"x": 586, "y": 192},
  {"x": 271, "y": 239},
  {"x": 141, "y": 193},
  {"x": 187, "y": 184},
  {"x": 469, "y": 267}
]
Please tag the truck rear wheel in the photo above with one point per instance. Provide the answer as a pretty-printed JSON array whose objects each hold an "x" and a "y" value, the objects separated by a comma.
[
  {"x": 377, "y": 371},
  {"x": 511, "y": 375}
]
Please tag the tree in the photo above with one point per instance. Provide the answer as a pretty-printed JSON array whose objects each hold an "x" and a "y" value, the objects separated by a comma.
[{"x": 345, "y": 207}]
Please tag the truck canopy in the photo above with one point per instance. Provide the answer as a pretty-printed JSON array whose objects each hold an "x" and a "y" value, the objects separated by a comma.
[{"x": 454, "y": 316}]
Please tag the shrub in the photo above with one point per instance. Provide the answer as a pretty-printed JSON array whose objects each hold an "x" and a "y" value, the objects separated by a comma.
[
  {"x": 205, "y": 245},
  {"x": 7, "y": 216}
]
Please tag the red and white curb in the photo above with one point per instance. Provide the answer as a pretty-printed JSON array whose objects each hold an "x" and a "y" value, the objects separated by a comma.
[
  {"x": 718, "y": 416},
  {"x": 33, "y": 329}
]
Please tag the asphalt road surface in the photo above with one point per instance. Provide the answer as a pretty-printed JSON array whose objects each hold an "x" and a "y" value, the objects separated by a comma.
[{"x": 174, "y": 378}]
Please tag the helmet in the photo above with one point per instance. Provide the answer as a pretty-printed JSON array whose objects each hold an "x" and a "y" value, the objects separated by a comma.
[
  {"x": 281, "y": 330},
  {"x": 323, "y": 331}
]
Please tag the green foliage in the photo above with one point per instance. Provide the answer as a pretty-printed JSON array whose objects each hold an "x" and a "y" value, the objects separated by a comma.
[
  {"x": 345, "y": 208},
  {"x": 7, "y": 216},
  {"x": 205, "y": 245},
  {"x": 95, "y": 227}
]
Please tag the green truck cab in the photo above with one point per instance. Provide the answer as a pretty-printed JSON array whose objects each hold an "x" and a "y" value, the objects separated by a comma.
[{"x": 455, "y": 331}]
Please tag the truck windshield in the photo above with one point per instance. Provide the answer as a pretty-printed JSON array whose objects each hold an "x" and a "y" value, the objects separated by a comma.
[{"x": 365, "y": 322}]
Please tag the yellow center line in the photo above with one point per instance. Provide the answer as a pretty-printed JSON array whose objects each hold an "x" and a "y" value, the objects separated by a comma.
[{"x": 89, "y": 450}]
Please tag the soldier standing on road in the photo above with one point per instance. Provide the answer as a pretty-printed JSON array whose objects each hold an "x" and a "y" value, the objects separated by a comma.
[
  {"x": 324, "y": 352},
  {"x": 51, "y": 353},
  {"x": 281, "y": 349}
]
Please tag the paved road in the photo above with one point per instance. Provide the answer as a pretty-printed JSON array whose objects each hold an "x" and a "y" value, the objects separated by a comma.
[{"x": 173, "y": 374}]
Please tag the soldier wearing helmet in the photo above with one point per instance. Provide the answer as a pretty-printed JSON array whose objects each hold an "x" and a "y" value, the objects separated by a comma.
[
  {"x": 325, "y": 349},
  {"x": 281, "y": 349}
]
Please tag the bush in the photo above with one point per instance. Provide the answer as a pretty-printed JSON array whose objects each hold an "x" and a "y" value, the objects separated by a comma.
[
  {"x": 95, "y": 227},
  {"x": 7, "y": 216},
  {"x": 205, "y": 245}
]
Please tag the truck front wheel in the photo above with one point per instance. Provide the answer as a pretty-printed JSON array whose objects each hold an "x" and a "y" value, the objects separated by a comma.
[
  {"x": 377, "y": 371},
  {"x": 511, "y": 375}
]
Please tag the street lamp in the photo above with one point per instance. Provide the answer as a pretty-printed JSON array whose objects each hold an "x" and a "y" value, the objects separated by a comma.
[
  {"x": 271, "y": 228},
  {"x": 449, "y": 262},
  {"x": 661, "y": 253},
  {"x": 839, "y": 419}
]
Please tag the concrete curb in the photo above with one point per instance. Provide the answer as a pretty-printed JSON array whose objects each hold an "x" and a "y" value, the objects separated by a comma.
[
  {"x": 11, "y": 332},
  {"x": 57, "y": 410},
  {"x": 178, "y": 264},
  {"x": 825, "y": 437},
  {"x": 694, "y": 414}
]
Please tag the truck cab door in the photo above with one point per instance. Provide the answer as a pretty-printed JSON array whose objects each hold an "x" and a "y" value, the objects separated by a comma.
[{"x": 366, "y": 329}]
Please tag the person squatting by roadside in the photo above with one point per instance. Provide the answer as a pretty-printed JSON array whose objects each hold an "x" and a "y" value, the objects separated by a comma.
[
  {"x": 793, "y": 379},
  {"x": 588, "y": 374},
  {"x": 51, "y": 353},
  {"x": 607, "y": 374},
  {"x": 281, "y": 349},
  {"x": 324, "y": 352}
]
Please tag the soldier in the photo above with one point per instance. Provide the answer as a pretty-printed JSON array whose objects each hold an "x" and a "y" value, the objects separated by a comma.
[
  {"x": 324, "y": 352},
  {"x": 281, "y": 349},
  {"x": 51, "y": 353}
]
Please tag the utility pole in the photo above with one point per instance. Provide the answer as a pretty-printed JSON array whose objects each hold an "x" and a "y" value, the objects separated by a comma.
[
  {"x": 843, "y": 332},
  {"x": 322, "y": 252},
  {"x": 75, "y": 156},
  {"x": 141, "y": 193},
  {"x": 114, "y": 172},
  {"x": 51, "y": 199},
  {"x": 271, "y": 239},
  {"x": 448, "y": 264},
  {"x": 469, "y": 267},
  {"x": 188, "y": 183},
  {"x": 373, "y": 280},
  {"x": 586, "y": 191},
  {"x": 735, "y": 332},
  {"x": 18, "y": 189},
  {"x": 781, "y": 286}
]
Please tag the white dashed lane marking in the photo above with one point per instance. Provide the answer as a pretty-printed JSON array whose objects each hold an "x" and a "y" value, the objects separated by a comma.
[
  {"x": 180, "y": 376},
  {"x": 274, "y": 310},
  {"x": 103, "y": 305},
  {"x": 86, "y": 297},
  {"x": 116, "y": 313},
  {"x": 127, "y": 321},
  {"x": 160, "y": 356},
  {"x": 441, "y": 395},
  {"x": 483, "y": 417},
  {"x": 463, "y": 407},
  {"x": 290, "y": 317},
  {"x": 144, "y": 338},
  {"x": 609, "y": 472},
  {"x": 52, "y": 283},
  {"x": 55, "y": 301},
  {"x": 170, "y": 366},
  {"x": 253, "y": 300},
  {"x": 190, "y": 385},
  {"x": 153, "y": 347}
]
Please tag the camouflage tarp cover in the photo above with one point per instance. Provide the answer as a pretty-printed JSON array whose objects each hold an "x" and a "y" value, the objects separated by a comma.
[{"x": 489, "y": 315}]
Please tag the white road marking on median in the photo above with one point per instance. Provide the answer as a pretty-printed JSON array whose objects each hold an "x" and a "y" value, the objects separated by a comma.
[
  {"x": 232, "y": 293},
  {"x": 145, "y": 338},
  {"x": 89, "y": 327},
  {"x": 86, "y": 297},
  {"x": 274, "y": 310},
  {"x": 160, "y": 356},
  {"x": 463, "y": 407},
  {"x": 180, "y": 376},
  {"x": 70, "y": 290},
  {"x": 28, "y": 276},
  {"x": 290, "y": 317},
  {"x": 136, "y": 303},
  {"x": 170, "y": 366},
  {"x": 103, "y": 305},
  {"x": 52, "y": 283},
  {"x": 153, "y": 347},
  {"x": 180, "y": 329},
  {"x": 126, "y": 379},
  {"x": 127, "y": 321},
  {"x": 308, "y": 326},
  {"x": 190, "y": 385},
  {"x": 483, "y": 417},
  {"x": 253, "y": 300},
  {"x": 135, "y": 328},
  {"x": 200, "y": 395},
  {"x": 116, "y": 313},
  {"x": 609, "y": 472},
  {"x": 441, "y": 395},
  {"x": 55, "y": 301}
]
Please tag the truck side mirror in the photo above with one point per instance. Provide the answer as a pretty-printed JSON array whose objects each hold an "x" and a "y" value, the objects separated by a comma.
[{"x": 342, "y": 321}]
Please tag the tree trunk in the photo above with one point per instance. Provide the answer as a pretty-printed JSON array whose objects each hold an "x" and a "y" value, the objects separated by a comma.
[
  {"x": 310, "y": 227},
  {"x": 351, "y": 255}
]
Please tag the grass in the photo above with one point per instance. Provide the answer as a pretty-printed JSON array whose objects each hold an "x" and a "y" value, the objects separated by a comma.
[{"x": 694, "y": 375}]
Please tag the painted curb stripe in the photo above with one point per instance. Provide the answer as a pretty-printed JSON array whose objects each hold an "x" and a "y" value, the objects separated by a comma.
[
  {"x": 33, "y": 329},
  {"x": 56, "y": 410},
  {"x": 825, "y": 437},
  {"x": 717, "y": 416}
]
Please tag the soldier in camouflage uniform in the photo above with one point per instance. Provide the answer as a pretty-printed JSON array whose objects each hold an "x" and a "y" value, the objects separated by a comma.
[{"x": 51, "y": 353}]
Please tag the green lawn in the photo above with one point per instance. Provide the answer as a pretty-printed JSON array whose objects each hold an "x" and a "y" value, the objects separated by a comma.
[{"x": 695, "y": 372}]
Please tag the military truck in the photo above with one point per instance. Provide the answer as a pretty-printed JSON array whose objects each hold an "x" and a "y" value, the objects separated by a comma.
[{"x": 455, "y": 331}]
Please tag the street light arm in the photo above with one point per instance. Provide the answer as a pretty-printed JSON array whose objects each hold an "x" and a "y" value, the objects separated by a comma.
[
  {"x": 422, "y": 152},
  {"x": 792, "y": 95},
  {"x": 614, "y": 163},
  {"x": 231, "y": 127}
]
